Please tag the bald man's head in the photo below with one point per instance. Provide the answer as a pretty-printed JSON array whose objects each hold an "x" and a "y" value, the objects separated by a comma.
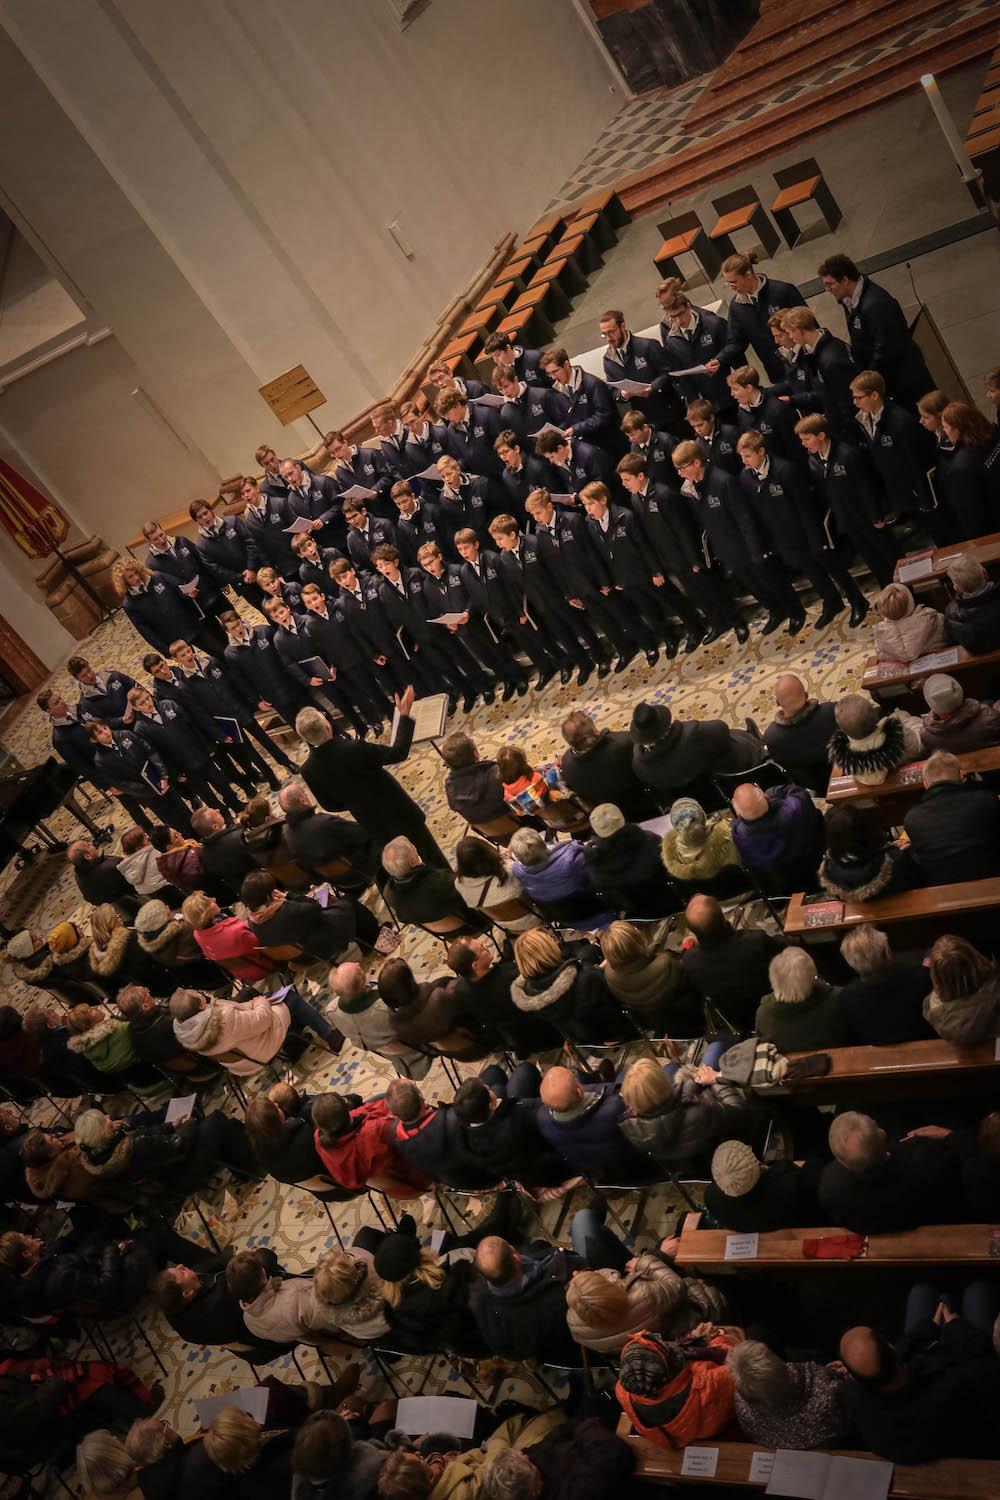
[
  {"x": 347, "y": 980},
  {"x": 293, "y": 797},
  {"x": 749, "y": 802},
  {"x": 498, "y": 1261},
  {"x": 790, "y": 694},
  {"x": 560, "y": 1089},
  {"x": 868, "y": 1356},
  {"x": 706, "y": 919}
]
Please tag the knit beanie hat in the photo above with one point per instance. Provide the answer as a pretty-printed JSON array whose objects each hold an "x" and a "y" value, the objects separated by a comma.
[
  {"x": 943, "y": 694},
  {"x": 606, "y": 819},
  {"x": 63, "y": 938},
  {"x": 397, "y": 1257},
  {"x": 645, "y": 1370},
  {"x": 650, "y": 721},
  {"x": 21, "y": 945},
  {"x": 153, "y": 917},
  {"x": 735, "y": 1169},
  {"x": 685, "y": 812}
]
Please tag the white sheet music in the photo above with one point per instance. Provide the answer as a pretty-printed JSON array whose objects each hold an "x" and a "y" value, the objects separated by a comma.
[{"x": 419, "y": 1414}]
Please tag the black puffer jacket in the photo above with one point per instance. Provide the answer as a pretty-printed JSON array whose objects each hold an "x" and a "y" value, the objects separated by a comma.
[
  {"x": 628, "y": 873},
  {"x": 429, "y": 1317},
  {"x": 973, "y": 620},
  {"x": 575, "y": 998},
  {"x": 691, "y": 1124}
]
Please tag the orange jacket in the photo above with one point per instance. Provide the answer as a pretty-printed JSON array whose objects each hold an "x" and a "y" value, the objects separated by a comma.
[{"x": 707, "y": 1409}]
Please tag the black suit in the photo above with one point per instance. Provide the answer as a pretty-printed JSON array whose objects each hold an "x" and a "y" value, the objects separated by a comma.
[
  {"x": 333, "y": 642},
  {"x": 846, "y": 485},
  {"x": 494, "y": 591},
  {"x": 881, "y": 340},
  {"x": 347, "y": 775},
  {"x": 624, "y": 552},
  {"x": 567, "y": 553}
]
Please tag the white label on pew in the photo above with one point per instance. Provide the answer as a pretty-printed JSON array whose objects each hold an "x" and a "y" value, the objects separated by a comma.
[
  {"x": 935, "y": 661},
  {"x": 923, "y": 567},
  {"x": 700, "y": 1463},
  {"x": 760, "y": 1467},
  {"x": 741, "y": 1246}
]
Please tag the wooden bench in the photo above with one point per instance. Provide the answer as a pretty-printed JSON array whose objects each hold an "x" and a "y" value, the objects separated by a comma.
[
  {"x": 912, "y": 917},
  {"x": 944, "y": 1479},
  {"x": 608, "y": 205},
  {"x": 803, "y": 183},
  {"x": 554, "y": 227},
  {"x": 685, "y": 235},
  {"x": 896, "y": 795},
  {"x": 528, "y": 325},
  {"x": 463, "y": 350},
  {"x": 597, "y": 228},
  {"x": 925, "y": 1069},
  {"x": 931, "y": 585},
  {"x": 742, "y": 209},
  {"x": 484, "y": 319},
  {"x": 899, "y": 683},
  {"x": 561, "y": 271},
  {"x": 982, "y": 140},
  {"x": 578, "y": 244},
  {"x": 781, "y": 1249}
]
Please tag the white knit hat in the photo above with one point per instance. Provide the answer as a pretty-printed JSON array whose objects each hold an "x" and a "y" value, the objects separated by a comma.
[
  {"x": 21, "y": 945},
  {"x": 735, "y": 1169},
  {"x": 153, "y": 917}
]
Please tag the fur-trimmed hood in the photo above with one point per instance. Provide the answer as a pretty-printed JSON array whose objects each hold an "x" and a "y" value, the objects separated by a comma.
[
  {"x": 41, "y": 965},
  {"x": 538, "y": 998},
  {"x": 172, "y": 931},
  {"x": 109, "y": 1163},
  {"x": 200, "y": 1032},
  {"x": 873, "y": 757},
  {"x": 107, "y": 961},
  {"x": 876, "y": 874},
  {"x": 968, "y": 1020},
  {"x": 102, "y": 1032}
]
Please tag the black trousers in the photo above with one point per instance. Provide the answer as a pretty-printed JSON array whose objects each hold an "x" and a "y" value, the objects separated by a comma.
[
  {"x": 266, "y": 743},
  {"x": 832, "y": 581},
  {"x": 253, "y": 765},
  {"x": 210, "y": 786},
  {"x": 171, "y": 810},
  {"x": 653, "y": 622},
  {"x": 136, "y": 812},
  {"x": 210, "y": 636},
  {"x": 358, "y": 687},
  {"x": 450, "y": 664},
  {"x": 489, "y": 653},
  {"x": 610, "y": 616},
  {"x": 877, "y": 549},
  {"x": 769, "y": 585},
  {"x": 526, "y": 639},
  {"x": 713, "y": 599},
  {"x": 573, "y": 632}
]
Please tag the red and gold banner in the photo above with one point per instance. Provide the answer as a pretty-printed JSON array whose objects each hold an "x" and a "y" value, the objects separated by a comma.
[{"x": 34, "y": 522}]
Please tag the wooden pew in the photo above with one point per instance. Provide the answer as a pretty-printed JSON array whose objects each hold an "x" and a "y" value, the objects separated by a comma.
[
  {"x": 898, "y": 684},
  {"x": 931, "y": 584},
  {"x": 925, "y": 1069},
  {"x": 912, "y": 917},
  {"x": 945, "y": 1479},
  {"x": 895, "y": 796},
  {"x": 781, "y": 1249}
]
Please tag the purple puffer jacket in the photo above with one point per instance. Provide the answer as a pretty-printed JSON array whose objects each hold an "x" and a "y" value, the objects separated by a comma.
[{"x": 787, "y": 829}]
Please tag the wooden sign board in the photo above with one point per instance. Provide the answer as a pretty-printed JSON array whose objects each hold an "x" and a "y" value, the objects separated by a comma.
[{"x": 292, "y": 395}]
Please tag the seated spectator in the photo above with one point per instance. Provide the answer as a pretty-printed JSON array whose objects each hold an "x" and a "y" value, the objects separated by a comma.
[
  {"x": 167, "y": 939},
  {"x": 698, "y": 851},
  {"x": 625, "y": 867},
  {"x": 281, "y": 1310},
  {"x": 650, "y": 982},
  {"x": 582, "y": 1124},
  {"x": 107, "y": 1275},
  {"x": 151, "y": 1031},
  {"x": 907, "y": 629},
  {"x": 181, "y": 1155},
  {"x": 963, "y": 1006},
  {"x": 597, "y": 767},
  {"x": 575, "y": 1460},
  {"x": 798, "y": 735},
  {"x": 106, "y": 1469},
  {"x": 265, "y": 839},
  {"x": 802, "y": 1013},
  {"x": 672, "y": 1396},
  {"x": 535, "y": 791},
  {"x": 47, "y": 1395},
  {"x": 746, "y": 1196},
  {"x": 556, "y": 877},
  {"x": 115, "y": 955},
  {"x": 317, "y": 839},
  {"x": 427, "y": 1297},
  {"x": 500, "y": 1134},
  {"x": 606, "y": 1308},
  {"x": 140, "y": 868},
  {"x": 359, "y": 1013},
  {"x": 283, "y": 1140},
  {"x": 425, "y": 895},
  {"x": 178, "y": 859},
  {"x": 106, "y": 1044},
  {"x": 99, "y": 878},
  {"x": 783, "y": 1405},
  {"x": 872, "y": 1189},
  {"x": 729, "y": 968},
  {"x": 981, "y": 1175},
  {"x": 349, "y": 1292},
  {"x": 280, "y": 920},
  {"x": 870, "y": 744},
  {"x": 932, "y": 1395},
  {"x": 357, "y": 1150},
  {"x": 257, "y": 1463},
  {"x": 428, "y": 1015},
  {"x": 671, "y": 755},
  {"x": 58, "y": 963},
  {"x": 486, "y": 882},
  {"x": 227, "y": 941},
  {"x": 778, "y": 835},
  {"x": 484, "y": 988},
  {"x": 954, "y": 830},
  {"x": 566, "y": 993},
  {"x": 679, "y": 1118},
  {"x": 956, "y": 723},
  {"x": 223, "y": 851},
  {"x": 240, "y": 1035},
  {"x": 329, "y": 1460},
  {"x": 21, "y": 1052},
  {"x": 54, "y": 1169},
  {"x": 884, "y": 1005},
  {"x": 42, "y": 1033},
  {"x": 861, "y": 863},
  {"x": 519, "y": 1301},
  {"x": 972, "y": 615},
  {"x": 198, "y": 1304},
  {"x": 472, "y": 788},
  {"x": 429, "y": 1137},
  {"x": 170, "y": 1466}
]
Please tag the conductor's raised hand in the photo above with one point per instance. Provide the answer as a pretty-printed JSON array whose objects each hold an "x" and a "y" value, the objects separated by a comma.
[{"x": 404, "y": 700}]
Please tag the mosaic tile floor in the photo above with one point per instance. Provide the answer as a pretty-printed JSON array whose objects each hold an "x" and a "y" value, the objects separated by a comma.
[
  {"x": 717, "y": 680},
  {"x": 649, "y": 128}
]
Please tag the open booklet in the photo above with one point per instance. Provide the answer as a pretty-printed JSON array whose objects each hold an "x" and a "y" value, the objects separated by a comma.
[
  {"x": 358, "y": 492},
  {"x": 300, "y": 524},
  {"x": 428, "y": 715},
  {"x": 828, "y": 1476}
]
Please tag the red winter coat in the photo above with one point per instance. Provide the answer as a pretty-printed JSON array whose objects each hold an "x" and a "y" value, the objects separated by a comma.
[
  {"x": 706, "y": 1409},
  {"x": 230, "y": 943},
  {"x": 368, "y": 1151}
]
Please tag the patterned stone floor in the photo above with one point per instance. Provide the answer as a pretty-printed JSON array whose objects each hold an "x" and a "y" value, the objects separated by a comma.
[
  {"x": 651, "y": 127},
  {"x": 719, "y": 680}
]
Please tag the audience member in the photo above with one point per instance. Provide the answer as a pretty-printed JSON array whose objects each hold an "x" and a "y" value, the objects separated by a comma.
[
  {"x": 745, "y": 1195},
  {"x": 972, "y": 614},
  {"x": 562, "y": 990},
  {"x": 223, "y": 852},
  {"x": 360, "y": 1014},
  {"x": 799, "y": 734},
  {"x": 472, "y": 788},
  {"x": 557, "y": 878},
  {"x": 178, "y": 859},
  {"x": 484, "y": 989},
  {"x": 954, "y": 830},
  {"x": 198, "y": 1304},
  {"x": 582, "y": 1123},
  {"x": 116, "y": 956},
  {"x": 356, "y": 1147},
  {"x": 729, "y": 968},
  {"x": 349, "y": 1291},
  {"x": 282, "y": 1136},
  {"x": 141, "y": 1150},
  {"x": 241, "y": 1035},
  {"x": 883, "y": 1007},
  {"x": 57, "y": 963},
  {"x": 698, "y": 851},
  {"x": 676, "y": 1394},
  {"x": 428, "y": 1137},
  {"x": 500, "y": 1134},
  {"x": 963, "y": 1006},
  {"x": 140, "y": 868},
  {"x": 783, "y": 1405},
  {"x": 907, "y": 629},
  {"x": 680, "y": 1118},
  {"x": 861, "y": 863},
  {"x": 316, "y": 840},
  {"x": 956, "y": 723},
  {"x": 802, "y": 1013},
  {"x": 427, "y": 1297},
  {"x": 277, "y": 1309},
  {"x": 519, "y": 1301},
  {"x": 168, "y": 941},
  {"x": 227, "y": 941},
  {"x": 99, "y": 878},
  {"x": 872, "y": 1188},
  {"x": 597, "y": 767},
  {"x": 625, "y": 865},
  {"x": 281, "y": 920},
  {"x": 330, "y": 1460},
  {"x": 650, "y": 982},
  {"x": 671, "y": 755},
  {"x": 869, "y": 744},
  {"x": 428, "y": 1015},
  {"x": 425, "y": 895},
  {"x": 608, "y": 1307},
  {"x": 778, "y": 834},
  {"x": 486, "y": 882}
]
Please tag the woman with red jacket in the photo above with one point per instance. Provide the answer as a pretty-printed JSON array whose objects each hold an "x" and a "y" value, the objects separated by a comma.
[
  {"x": 678, "y": 1393},
  {"x": 356, "y": 1147},
  {"x": 226, "y": 940}
]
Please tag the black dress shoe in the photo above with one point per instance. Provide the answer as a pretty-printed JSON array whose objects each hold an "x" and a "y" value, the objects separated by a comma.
[
  {"x": 509, "y": 689},
  {"x": 858, "y": 615},
  {"x": 603, "y": 669},
  {"x": 489, "y": 696},
  {"x": 468, "y": 702},
  {"x": 742, "y": 633},
  {"x": 452, "y": 704},
  {"x": 565, "y": 675},
  {"x": 670, "y": 649},
  {"x": 522, "y": 687},
  {"x": 692, "y": 643},
  {"x": 376, "y": 729},
  {"x": 714, "y": 632},
  {"x": 828, "y": 614},
  {"x": 653, "y": 656},
  {"x": 796, "y": 623},
  {"x": 584, "y": 673},
  {"x": 771, "y": 623},
  {"x": 544, "y": 678}
]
